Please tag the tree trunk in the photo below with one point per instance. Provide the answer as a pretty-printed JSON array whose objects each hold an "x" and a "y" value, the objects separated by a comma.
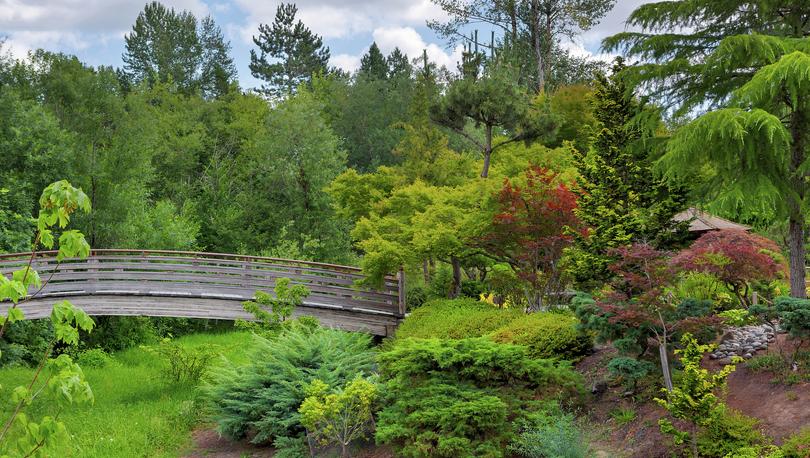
[
  {"x": 662, "y": 353},
  {"x": 537, "y": 45},
  {"x": 796, "y": 223},
  {"x": 487, "y": 152},
  {"x": 426, "y": 271},
  {"x": 455, "y": 290}
]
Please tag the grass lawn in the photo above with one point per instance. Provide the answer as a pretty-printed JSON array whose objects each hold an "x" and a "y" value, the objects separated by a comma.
[{"x": 137, "y": 412}]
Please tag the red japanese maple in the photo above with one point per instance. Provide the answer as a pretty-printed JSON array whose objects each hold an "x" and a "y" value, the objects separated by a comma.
[
  {"x": 531, "y": 229},
  {"x": 735, "y": 257}
]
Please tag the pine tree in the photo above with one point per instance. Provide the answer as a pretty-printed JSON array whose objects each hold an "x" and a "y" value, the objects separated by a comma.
[
  {"x": 398, "y": 65},
  {"x": 166, "y": 45},
  {"x": 753, "y": 59},
  {"x": 621, "y": 199},
  {"x": 373, "y": 64},
  {"x": 296, "y": 51},
  {"x": 497, "y": 103}
]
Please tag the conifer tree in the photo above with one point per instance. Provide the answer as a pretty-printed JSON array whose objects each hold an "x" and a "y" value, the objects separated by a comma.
[
  {"x": 621, "y": 199},
  {"x": 398, "y": 65},
  {"x": 752, "y": 59},
  {"x": 296, "y": 53},
  {"x": 166, "y": 45},
  {"x": 373, "y": 64}
]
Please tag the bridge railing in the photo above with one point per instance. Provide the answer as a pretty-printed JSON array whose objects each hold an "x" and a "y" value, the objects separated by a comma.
[{"x": 207, "y": 275}]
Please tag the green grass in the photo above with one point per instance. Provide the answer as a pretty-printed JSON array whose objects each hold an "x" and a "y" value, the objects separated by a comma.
[{"x": 137, "y": 412}]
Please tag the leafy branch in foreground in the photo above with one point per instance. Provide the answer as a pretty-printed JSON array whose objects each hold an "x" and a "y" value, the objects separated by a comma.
[{"x": 59, "y": 379}]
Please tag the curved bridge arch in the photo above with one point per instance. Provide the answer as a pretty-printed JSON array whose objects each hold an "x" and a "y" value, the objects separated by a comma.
[{"x": 187, "y": 284}]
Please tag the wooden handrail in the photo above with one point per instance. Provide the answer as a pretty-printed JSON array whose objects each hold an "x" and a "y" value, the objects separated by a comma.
[{"x": 167, "y": 273}]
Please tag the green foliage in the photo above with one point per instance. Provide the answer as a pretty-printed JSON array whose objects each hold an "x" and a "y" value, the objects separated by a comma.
[
  {"x": 728, "y": 433},
  {"x": 794, "y": 316},
  {"x": 623, "y": 416},
  {"x": 629, "y": 370},
  {"x": 24, "y": 342},
  {"x": 289, "y": 53},
  {"x": 415, "y": 297},
  {"x": 546, "y": 335},
  {"x": 448, "y": 398},
  {"x": 182, "y": 364},
  {"x": 694, "y": 398},
  {"x": 260, "y": 400},
  {"x": 703, "y": 286},
  {"x": 94, "y": 357},
  {"x": 547, "y": 436},
  {"x": 455, "y": 319},
  {"x": 268, "y": 311},
  {"x": 797, "y": 445},
  {"x": 114, "y": 333},
  {"x": 339, "y": 417},
  {"x": 768, "y": 363},
  {"x": 620, "y": 199},
  {"x": 736, "y": 317},
  {"x": 165, "y": 46}
]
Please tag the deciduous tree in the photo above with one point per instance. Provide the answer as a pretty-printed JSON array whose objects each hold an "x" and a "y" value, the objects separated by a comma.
[
  {"x": 736, "y": 258},
  {"x": 531, "y": 230}
]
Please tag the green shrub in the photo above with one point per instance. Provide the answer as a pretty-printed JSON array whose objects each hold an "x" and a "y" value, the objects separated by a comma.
[
  {"x": 339, "y": 416},
  {"x": 455, "y": 319},
  {"x": 261, "y": 399},
  {"x": 623, "y": 416},
  {"x": 797, "y": 445},
  {"x": 728, "y": 432},
  {"x": 115, "y": 333},
  {"x": 450, "y": 398},
  {"x": 767, "y": 363},
  {"x": 415, "y": 297},
  {"x": 629, "y": 370},
  {"x": 553, "y": 436},
  {"x": 547, "y": 335},
  {"x": 25, "y": 342},
  {"x": 183, "y": 364},
  {"x": 441, "y": 283},
  {"x": 94, "y": 357}
]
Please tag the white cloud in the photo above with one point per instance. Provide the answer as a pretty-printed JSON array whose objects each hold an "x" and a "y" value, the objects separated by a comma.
[
  {"x": 80, "y": 15},
  {"x": 345, "y": 62},
  {"x": 341, "y": 19},
  {"x": 409, "y": 41},
  {"x": 73, "y": 24}
]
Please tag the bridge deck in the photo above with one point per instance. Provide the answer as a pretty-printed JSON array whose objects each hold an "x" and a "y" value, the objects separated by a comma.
[{"x": 204, "y": 285}]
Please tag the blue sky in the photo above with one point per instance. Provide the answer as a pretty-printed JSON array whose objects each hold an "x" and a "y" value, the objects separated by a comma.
[{"x": 94, "y": 29}]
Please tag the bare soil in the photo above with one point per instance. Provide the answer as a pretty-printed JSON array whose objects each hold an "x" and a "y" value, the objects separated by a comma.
[{"x": 781, "y": 409}]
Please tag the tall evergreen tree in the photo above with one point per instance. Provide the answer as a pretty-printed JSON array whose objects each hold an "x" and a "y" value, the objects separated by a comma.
[
  {"x": 620, "y": 198},
  {"x": 166, "y": 45},
  {"x": 373, "y": 64},
  {"x": 295, "y": 51},
  {"x": 751, "y": 57},
  {"x": 398, "y": 65}
]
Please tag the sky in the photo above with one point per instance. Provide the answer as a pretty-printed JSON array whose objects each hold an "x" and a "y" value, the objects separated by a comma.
[{"x": 94, "y": 30}]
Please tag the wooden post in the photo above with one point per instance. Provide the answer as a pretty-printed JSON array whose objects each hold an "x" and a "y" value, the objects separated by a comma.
[
  {"x": 754, "y": 298},
  {"x": 401, "y": 288}
]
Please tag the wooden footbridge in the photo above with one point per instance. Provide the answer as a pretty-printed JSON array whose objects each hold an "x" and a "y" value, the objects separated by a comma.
[{"x": 204, "y": 285}]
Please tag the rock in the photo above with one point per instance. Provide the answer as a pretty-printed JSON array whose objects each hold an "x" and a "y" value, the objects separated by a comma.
[
  {"x": 599, "y": 388},
  {"x": 748, "y": 356}
]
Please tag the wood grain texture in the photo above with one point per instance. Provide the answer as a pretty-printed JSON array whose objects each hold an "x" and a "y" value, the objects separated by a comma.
[{"x": 204, "y": 285}]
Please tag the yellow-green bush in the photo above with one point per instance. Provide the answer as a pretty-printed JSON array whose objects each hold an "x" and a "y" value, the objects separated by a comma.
[
  {"x": 547, "y": 335},
  {"x": 455, "y": 319}
]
